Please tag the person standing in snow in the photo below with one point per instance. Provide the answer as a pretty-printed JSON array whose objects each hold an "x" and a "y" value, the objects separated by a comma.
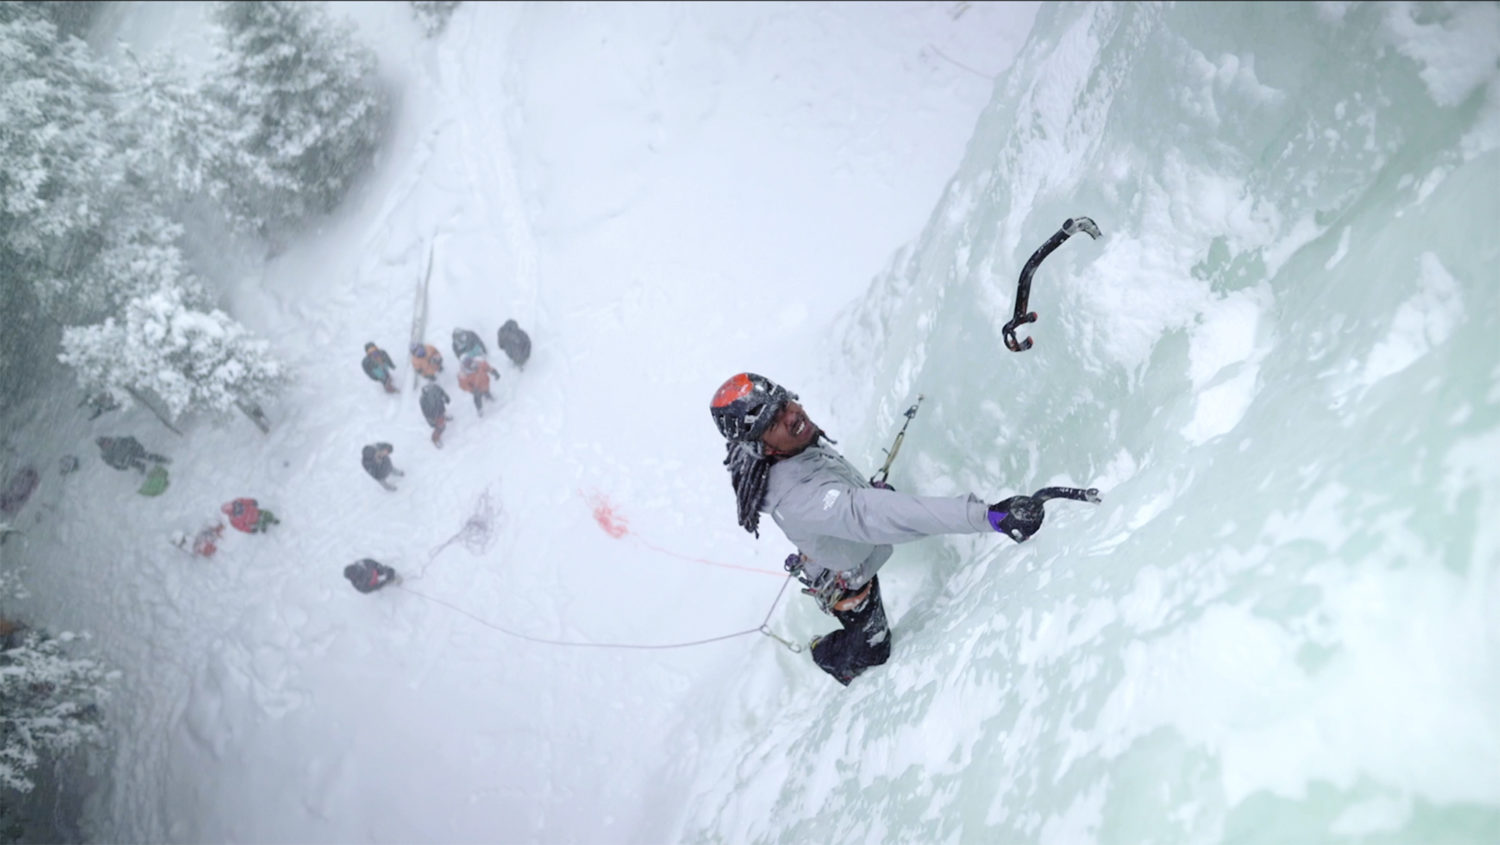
[
  {"x": 474, "y": 377},
  {"x": 515, "y": 342},
  {"x": 368, "y": 575},
  {"x": 376, "y": 459},
  {"x": 426, "y": 360},
  {"x": 842, "y": 525},
  {"x": 467, "y": 344},
  {"x": 127, "y": 452},
  {"x": 248, "y": 516},
  {"x": 435, "y": 408},
  {"x": 378, "y": 367},
  {"x": 204, "y": 544}
]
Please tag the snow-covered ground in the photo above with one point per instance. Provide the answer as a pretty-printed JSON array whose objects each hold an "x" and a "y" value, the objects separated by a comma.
[{"x": 662, "y": 195}]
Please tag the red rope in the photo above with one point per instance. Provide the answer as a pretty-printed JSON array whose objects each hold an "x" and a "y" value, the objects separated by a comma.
[{"x": 617, "y": 526}]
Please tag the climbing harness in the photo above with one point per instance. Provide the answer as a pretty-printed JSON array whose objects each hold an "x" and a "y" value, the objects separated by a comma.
[
  {"x": 1070, "y": 227},
  {"x": 827, "y": 589},
  {"x": 879, "y": 478}
]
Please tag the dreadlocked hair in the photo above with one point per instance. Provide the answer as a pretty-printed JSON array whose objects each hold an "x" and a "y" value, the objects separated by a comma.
[{"x": 750, "y": 473}]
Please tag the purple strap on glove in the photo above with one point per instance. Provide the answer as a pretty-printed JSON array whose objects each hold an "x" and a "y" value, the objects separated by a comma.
[{"x": 1019, "y": 517}]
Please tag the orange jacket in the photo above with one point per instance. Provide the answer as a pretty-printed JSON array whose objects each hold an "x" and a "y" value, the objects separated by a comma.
[
  {"x": 429, "y": 363},
  {"x": 474, "y": 376}
]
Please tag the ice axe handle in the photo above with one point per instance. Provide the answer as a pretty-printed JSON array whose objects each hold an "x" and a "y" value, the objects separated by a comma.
[
  {"x": 1013, "y": 343},
  {"x": 1022, "y": 316}
]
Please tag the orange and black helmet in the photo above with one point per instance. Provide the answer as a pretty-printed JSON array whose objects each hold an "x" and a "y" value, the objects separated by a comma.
[{"x": 746, "y": 405}]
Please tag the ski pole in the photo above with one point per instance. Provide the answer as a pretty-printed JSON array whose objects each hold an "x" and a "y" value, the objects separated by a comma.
[
  {"x": 890, "y": 455},
  {"x": 1070, "y": 227}
]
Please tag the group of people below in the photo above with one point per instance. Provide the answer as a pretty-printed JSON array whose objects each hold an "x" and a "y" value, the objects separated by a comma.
[
  {"x": 127, "y": 453},
  {"x": 474, "y": 377},
  {"x": 474, "y": 373},
  {"x": 244, "y": 513}
]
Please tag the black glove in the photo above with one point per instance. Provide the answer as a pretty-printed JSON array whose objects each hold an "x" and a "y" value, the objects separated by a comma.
[
  {"x": 881, "y": 485},
  {"x": 1019, "y": 517}
]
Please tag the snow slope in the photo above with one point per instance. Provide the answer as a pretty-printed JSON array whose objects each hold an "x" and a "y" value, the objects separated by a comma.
[{"x": 662, "y": 195}]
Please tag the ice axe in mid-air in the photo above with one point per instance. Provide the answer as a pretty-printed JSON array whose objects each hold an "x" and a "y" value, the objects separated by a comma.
[{"x": 1070, "y": 227}]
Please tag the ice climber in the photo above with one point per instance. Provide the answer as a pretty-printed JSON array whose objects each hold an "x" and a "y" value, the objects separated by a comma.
[
  {"x": 515, "y": 342},
  {"x": 467, "y": 344},
  {"x": 378, "y": 366},
  {"x": 842, "y": 525},
  {"x": 376, "y": 459},
  {"x": 204, "y": 543},
  {"x": 248, "y": 516},
  {"x": 127, "y": 452},
  {"x": 474, "y": 377},
  {"x": 368, "y": 575},
  {"x": 426, "y": 360},
  {"x": 435, "y": 409}
]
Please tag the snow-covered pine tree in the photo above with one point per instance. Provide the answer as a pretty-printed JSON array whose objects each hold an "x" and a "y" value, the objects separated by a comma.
[
  {"x": 49, "y": 701},
  {"x": 139, "y": 255},
  {"x": 173, "y": 134},
  {"x": 433, "y": 15},
  {"x": 57, "y": 167},
  {"x": 84, "y": 187},
  {"x": 57, "y": 161},
  {"x": 55, "y": 107},
  {"x": 188, "y": 359},
  {"x": 308, "y": 111}
]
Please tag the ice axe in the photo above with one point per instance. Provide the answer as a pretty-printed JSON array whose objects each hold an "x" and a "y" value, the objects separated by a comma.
[
  {"x": 1070, "y": 227},
  {"x": 878, "y": 479}
]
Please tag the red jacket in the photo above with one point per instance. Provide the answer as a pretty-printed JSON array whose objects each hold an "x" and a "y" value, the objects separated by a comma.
[
  {"x": 207, "y": 541},
  {"x": 243, "y": 514}
]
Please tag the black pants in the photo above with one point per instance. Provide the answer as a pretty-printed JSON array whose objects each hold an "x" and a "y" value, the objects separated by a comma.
[{"x": 864, "y": 641}]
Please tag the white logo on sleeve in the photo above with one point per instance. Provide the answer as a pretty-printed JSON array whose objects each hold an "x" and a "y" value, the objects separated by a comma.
[{"x": 829, "y": 498}]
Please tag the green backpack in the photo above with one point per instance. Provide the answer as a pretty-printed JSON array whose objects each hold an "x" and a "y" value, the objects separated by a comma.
[{"x": 156, "y": 481}]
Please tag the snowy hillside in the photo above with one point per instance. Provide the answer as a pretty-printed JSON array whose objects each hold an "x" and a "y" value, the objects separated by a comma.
[{"x": 661, "y": 196}]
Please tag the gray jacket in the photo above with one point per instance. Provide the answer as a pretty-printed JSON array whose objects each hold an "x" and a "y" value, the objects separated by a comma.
[{"x": 840, "y": 523}]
